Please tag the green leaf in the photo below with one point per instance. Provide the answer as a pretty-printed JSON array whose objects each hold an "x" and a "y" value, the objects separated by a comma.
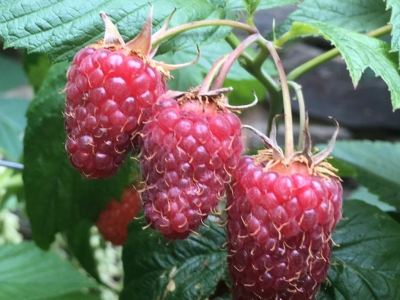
[
  {"x": 367, "y": 263},
  {"x": 359, "y": 52},
  {"x": 361, "y": 193},
  {"x": 251, "y": 5},
  {"x": 76, "y": 296},
  {"x": 61, "y": 28},
  {"x": 377, "y": 165},
  {"x": 12, "y": 125},
  {"x": 159, "y": 269},
  {"x": 241, "y": 5},
  {"x": 78, "y": 238},
  {"x": 30, "y": 273},
  {"x": 57, "y": 196},
  {"x": 395, "y": 21},
  {"x": 12, "y": 74},
  {"x": 36, "y": 66},
  {"x": 356, "y": 15}
]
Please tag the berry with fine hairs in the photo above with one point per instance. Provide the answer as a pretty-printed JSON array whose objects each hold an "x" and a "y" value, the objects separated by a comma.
[
  {"x": 189, "y": 150},
  {"x": 280, "y": 220},
  {"x": 113, "y": 221},
  {"x": 110, "y": 89}
]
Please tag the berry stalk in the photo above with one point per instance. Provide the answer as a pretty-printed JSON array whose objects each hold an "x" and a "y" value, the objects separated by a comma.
[
  {"x": 302, "y": 111},
  {"x": 205, "y": 86},
  {"x": 287, "y": 107},
  {"x": 232, "y": 58},
  {"x": 168, "y": 34}
]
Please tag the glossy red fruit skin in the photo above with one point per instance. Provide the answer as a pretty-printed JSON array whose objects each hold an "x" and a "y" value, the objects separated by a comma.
[
  {"x": 188, "y": 154},
  {"x": 108, "y": 96},
  {"x": 113, "y": 221},
  {"x": 278, "y": 231}
]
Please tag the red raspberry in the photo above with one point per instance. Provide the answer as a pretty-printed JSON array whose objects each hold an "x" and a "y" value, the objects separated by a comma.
[
  {"x": 189, "y": 150},
  {"x": 114, "y": 219},
  {"x": 109, "y": 91},
  {"x": 279, "y": 227}
]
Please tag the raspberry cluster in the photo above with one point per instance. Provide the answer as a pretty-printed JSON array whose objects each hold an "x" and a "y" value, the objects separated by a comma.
[{"x": 281, "y": 209}]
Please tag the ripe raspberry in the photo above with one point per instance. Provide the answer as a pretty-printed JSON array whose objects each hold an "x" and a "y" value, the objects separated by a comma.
[
  {"x": 280, "y": 220},
  {"x": 189, "y": 150},
  {"x": 114, "y": 219},
  {"x": 110, "y": 88}
]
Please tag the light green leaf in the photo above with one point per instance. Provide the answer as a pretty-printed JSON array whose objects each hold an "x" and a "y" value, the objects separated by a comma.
[
  {"x": 362, "y": 193},
  {"x": 359, "y": 52},
  {"x": 377, "y": 165},
  {"x": 61, "y": 28},
  {"x": 367, "y": 264},
  {"x": 395, "y": 21},
  {"x": 159, "y": 269},
  {"x": 12, "y": 125},
  {"x": 30, "y": 273}
]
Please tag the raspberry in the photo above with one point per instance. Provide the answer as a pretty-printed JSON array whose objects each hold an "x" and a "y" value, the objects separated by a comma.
[
  {"x": 279, "y": 226},
  {"x": 189, "y": 149},
  {"x": 110, "y": 89},
  {"x": 114, "y": 219}
]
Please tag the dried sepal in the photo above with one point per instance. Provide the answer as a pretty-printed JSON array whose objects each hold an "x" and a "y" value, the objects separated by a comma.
[{"x": 112, "y": 37}]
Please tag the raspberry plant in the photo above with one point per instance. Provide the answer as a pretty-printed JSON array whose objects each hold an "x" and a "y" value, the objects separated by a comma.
[{"x": 54, "y": 251}]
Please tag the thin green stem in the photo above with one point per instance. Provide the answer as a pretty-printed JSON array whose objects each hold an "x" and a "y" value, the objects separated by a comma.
[
  {"x": 312, "y": 64},
  {"x": 197, "y": 24},
  {"x": 381, "y": 31},
  {"x": 302, "y": 111},
  {"x": 320, "y": 59},
  {"x": 260, "y": 58}
]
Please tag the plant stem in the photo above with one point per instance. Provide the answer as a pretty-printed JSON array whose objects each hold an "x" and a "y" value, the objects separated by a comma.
[
  {"x": 320, "y": 59},
  {"x": 253, "y": 67},
  {"x": 205, "y": 86},
  {"x": 232, "y": 58},
  {"x": 302, "y": 112},
  {"x": 203, "y": 23},
  {"x": 287, "y": 107}
]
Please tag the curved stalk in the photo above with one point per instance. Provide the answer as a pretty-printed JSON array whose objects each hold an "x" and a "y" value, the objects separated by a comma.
[
  {"x": 253, "y": 67},
  {"x": 197, "y": 24},
  {"x": 205, "y": 86},
  {"x": 287, "y": 107},
  {"x": 232, "y": 58},
  {"x": 302, "y": 111}
]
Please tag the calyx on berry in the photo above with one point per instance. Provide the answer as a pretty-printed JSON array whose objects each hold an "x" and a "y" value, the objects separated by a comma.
[{"x": 141, "y": 45}]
